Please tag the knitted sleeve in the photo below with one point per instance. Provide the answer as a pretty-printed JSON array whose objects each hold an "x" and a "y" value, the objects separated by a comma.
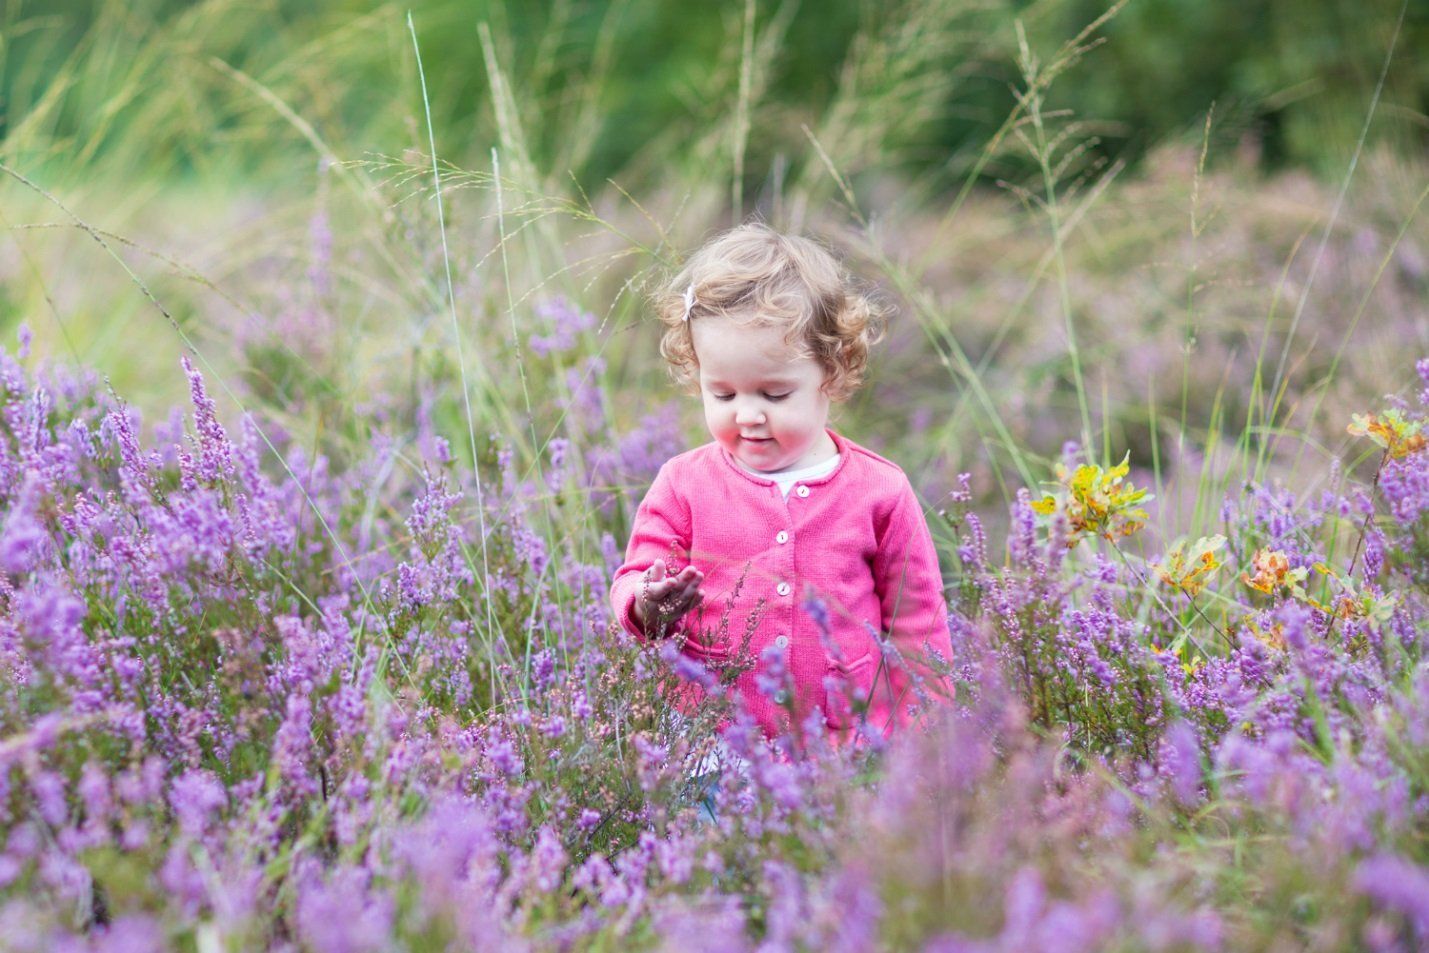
[
  {"x": 914, "y": 607},
  {"x": 662, "y": 522}
]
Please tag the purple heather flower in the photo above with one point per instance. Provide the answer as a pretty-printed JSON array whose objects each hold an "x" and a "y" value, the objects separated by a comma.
[
  {"x": 48, "y": 790},
  {"x": 686, "y": 668},
  {"x": 130, "y": 933},
  {"x": 558, "y": 450},
  {"x": 339, "y": 913},
  {"x": 714, "y": 924},
  {"x": 1022, "y": 906},
  {"x": 451, "y": 852},
  {"x": 555, "y": 727},
  {"x": 543, "y": 669},
  {"x": 773, "y": 673},
  {"x": 581, "y": 708},
  {"x": 215, "y": 452},
  {"x": 503, "y": 757},
  {"x": 651, "y": 761},
  {"x": 817, "y": 609},
  {"x": 781, "y": 781},
  {"x": 567, "y": 322},
  {"x": 1181, "y": 754},
  {"x": 292, "y": 746},
  {"x": 22, "y": 536},
  {"x": 196, "y": 796},
  {"x": 787, "y": 904},
  {"x": 94, "y": 792},
  {"x": 548, "y": 860},
  {"x": 1297, "y": 620},
  {"x": 1397, "y": 884},
  {"x": 183, "y": 882},
  {"x": 674, "y": 858}
]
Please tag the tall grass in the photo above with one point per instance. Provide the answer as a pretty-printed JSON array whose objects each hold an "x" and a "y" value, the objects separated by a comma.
[
  {"x": 304, "y": 320},
  {"x": 444, "y": 371}
]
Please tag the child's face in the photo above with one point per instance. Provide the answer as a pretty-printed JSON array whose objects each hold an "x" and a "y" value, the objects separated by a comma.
[{"x": 764, "y": 402}]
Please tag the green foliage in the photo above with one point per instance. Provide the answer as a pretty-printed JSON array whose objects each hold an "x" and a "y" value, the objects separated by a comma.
[
  {"x": 598, "y": 84},
  {"x": 1295, "y": 77}
]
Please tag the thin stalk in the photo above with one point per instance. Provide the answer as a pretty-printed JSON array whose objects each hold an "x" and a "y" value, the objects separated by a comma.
[
  {"x": 1146, "y": 585},
  {"x": 456, "y": 335},
  {"x": 1197, "y": 227},
  {"x": 1359, "y": 311},
  {"x": 1340, "y": 198},
  {"x": 950, "y": 350},
  {"x": 1042, "y": 153},
  {"x": 1359, "y": 540},
  {"x": 741, "y": 115}
]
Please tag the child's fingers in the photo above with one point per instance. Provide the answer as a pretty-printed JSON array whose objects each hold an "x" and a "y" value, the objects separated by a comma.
[
  {"x": 692, "y": 600},
  {"x": 685, "y": 592},
  {"x": 658, "y": 584}
]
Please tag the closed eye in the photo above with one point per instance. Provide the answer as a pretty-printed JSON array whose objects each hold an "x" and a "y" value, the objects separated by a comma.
[{"x": 775, "y": 398}]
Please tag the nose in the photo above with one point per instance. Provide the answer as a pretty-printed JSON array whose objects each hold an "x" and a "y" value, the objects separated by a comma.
[{"x": 748, "y": 415}]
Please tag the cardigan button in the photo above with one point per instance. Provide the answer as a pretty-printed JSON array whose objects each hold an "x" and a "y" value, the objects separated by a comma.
[
  {"x": 802, "y": 490},
  {"x": 782, "y": 641},
  {"x": 782, "y": 588},
  {"x": 781, "y": 696},
  {"x": 781, "y": 537}
]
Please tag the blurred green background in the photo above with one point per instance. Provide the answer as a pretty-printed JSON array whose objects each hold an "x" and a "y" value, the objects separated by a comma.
[{"x": 610, "y": 78}]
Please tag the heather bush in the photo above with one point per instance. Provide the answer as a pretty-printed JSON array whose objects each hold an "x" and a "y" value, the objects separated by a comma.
[
  {"x": 218, "y": 723},
  {"x": 304, "y": 642}
]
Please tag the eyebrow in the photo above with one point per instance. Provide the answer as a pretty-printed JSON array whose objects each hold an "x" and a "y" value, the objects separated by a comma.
[{"x": 766, "y": 383}]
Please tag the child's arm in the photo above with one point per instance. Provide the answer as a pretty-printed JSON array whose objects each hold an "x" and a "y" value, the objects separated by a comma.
[
  {"x": 642, "y": 592},
  {"x": 914, "y": 608}
]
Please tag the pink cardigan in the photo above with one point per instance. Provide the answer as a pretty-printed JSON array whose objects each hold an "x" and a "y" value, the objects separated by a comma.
[{"x": 855, "y": 538}]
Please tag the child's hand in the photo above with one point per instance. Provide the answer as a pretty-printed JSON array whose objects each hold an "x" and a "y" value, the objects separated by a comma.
[{"x": 665, "y": 599}]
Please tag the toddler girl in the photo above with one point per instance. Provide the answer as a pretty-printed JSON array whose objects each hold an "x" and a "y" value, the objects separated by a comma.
[{"x": 812, "y": 544}]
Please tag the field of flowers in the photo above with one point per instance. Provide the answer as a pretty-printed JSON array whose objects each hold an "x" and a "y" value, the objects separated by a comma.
[
  {"x": 309, "y": 503},
  {"x": 272, "y": 705}
]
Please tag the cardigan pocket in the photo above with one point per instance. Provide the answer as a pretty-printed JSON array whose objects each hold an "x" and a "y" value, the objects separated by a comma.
[
  {"x": 716, "y": 652},
  {"x": 846, "y": 689}
]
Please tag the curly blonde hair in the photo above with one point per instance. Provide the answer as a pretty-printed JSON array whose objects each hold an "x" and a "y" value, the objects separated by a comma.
[{"x": 758, "y": 276}]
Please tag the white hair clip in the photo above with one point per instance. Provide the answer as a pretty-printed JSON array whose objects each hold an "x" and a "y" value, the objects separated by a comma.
[{"x": 689, "y": 302}]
